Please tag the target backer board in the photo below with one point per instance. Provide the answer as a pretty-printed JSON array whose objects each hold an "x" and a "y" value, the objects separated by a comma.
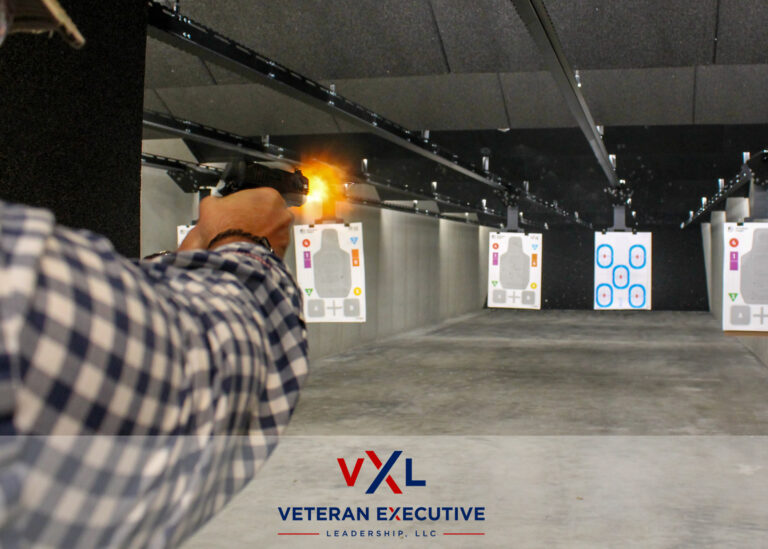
[
  {"x": 745, "y": 277},
  {"x": 330, "y": 269},
  {"x": 514, "y": 270},
  {"x": 622, "y": 271}
]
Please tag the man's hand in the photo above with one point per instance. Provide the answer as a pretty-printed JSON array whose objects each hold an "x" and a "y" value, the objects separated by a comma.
[{"x": 261, "y": 212}]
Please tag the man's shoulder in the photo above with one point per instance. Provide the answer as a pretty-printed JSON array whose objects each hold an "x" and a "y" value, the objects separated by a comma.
[{"x": 18, "y": 217}]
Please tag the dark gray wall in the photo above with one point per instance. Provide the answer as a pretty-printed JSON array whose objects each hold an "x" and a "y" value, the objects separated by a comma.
[
  {"x": 679, "y": 277},
  {"x": 70, "y": 120}
]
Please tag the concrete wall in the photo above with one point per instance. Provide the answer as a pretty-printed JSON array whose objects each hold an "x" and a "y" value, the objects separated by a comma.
[
  {"x": 706, "y": 242},
  {"x": 419, "y": 271},
  {"x": 736, "y": 209},
  {"x": 463, "y": 268},
  {"x": 716, "y": 270},
  {"x": 164, "y": 205},
  {"x": 758, "y": 202}
]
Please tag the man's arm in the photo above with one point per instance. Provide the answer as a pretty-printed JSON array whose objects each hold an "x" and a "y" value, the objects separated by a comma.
[{"x": 194, "y": 359}]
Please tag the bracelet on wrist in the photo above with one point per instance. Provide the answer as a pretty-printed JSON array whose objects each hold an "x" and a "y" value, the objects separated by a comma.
[
  {"x": 158, "y": 254},
  {"x": 242, "y": 234}
]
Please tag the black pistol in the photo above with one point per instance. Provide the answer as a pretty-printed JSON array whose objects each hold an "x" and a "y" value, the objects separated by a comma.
[{"x": 241, "y": 174}]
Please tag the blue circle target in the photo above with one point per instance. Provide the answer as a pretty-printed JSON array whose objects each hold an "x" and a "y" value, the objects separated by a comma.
[
  {"x": 604, "y": 295},
  {"x": 637, "y": 256},
  {"x": 620, "y": 277},
  {"x": 604, "y": 257},
  {"x": 637, "y": 296}
]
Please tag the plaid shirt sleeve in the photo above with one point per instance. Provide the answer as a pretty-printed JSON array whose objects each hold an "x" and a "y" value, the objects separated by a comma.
[{"x": 136, "y": 398}]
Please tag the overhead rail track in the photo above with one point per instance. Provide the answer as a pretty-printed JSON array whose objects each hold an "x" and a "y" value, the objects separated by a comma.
[
  {"x": 186, "y": 129},
  {"x": 179, "y": 31},
  {"x": 176, "y": 165},
  {"x": 187, "y": 172},
  {"x": 192, "y": 177},
  {"x": 754, "y": 170},
  {"x": 536, "y": 19},
  {"x": 271, "y": 153}
]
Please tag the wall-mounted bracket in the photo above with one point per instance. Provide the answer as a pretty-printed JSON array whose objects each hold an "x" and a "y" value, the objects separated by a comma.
[
  {"x": 190, "y": 177},
  {"x": 758, "y": 190},
  {"x": 513, "y": 219},
  {"x": 536, "y": 19},
  {"x": 619, "y": 218}
]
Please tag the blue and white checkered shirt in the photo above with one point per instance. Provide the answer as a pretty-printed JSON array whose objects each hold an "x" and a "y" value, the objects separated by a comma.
[{"x": 135, "y": 398}]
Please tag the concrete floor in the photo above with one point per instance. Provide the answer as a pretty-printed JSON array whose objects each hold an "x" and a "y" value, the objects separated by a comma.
[
  {"x": 543, "y": 373},
  {"x": 573, "y": 428}
]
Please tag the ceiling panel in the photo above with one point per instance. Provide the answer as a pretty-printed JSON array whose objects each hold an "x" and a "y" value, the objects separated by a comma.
[
  {"x": 152, "y": 101},
  {"x": 731, "y": 94},
  {"x": 170, "y": 147},
  {"x": 224, "y": 76},
  {"x": 168, "y": 67},
  {"x": 246, "y": 109},
  {"x": 626, "y": 97},
  {"x": 369, "y": 38},
  {"x": 323, "y": 39},
  {"x": 148, "y": 133},
  {"x": 742, "y": 36},
  {"x": 606, "y": 34},
  {"x": 485, "y": 36},
  {"x": 533, "y": 101},
  {"x": 444, "y": 102}
]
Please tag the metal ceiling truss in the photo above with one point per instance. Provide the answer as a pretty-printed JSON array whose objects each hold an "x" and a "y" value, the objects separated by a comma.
[
  {"x": 193, "y": 177},
  {"x": 405, "y": 209},
  {"x": 172, "y": 28},
  {"x": 754, "y": 170},
  {"x": 186, "y": 129},
  {"x": 536, "y": 19},
  {"x": 266, "y": 152}
]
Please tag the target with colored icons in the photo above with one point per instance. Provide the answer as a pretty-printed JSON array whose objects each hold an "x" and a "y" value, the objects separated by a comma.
[
  {"x": 330, "y": 269},
  {"x": 745, "y": 271},
  {"x": 514, "y": 270}
]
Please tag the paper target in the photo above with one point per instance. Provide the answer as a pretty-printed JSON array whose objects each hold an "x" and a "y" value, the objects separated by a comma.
[
  {"x": 745, "y": 277},
  {"x": 514, "y": 270},
  {"x": 330, "y": 270},
  {"x": 622, "y": 271}
]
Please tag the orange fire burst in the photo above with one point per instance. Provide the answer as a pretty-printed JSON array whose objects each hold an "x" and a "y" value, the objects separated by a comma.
[{"x": 325, "y": 182}]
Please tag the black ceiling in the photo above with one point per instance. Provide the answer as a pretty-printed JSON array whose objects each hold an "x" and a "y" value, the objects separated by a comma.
[{"x": 679, "y": 84}]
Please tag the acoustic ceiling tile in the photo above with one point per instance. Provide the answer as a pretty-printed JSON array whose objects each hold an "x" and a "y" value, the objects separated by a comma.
[
  {"x": 152, "y": 101},
  {"x": 340, "y": 39},
  {"x": 168, "y": 67},
  {"x": 533, "y": 101},
  {"x": 246, "y": 109},
  {"x": 485, "y": 36},
  {"x": 731, "y": 94},
  {"x": 440, "y": 102},
  {"x": 741, "y": 32},
  {"x": 626, "y": 97},
  {"x": 606, "y": 34}
]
